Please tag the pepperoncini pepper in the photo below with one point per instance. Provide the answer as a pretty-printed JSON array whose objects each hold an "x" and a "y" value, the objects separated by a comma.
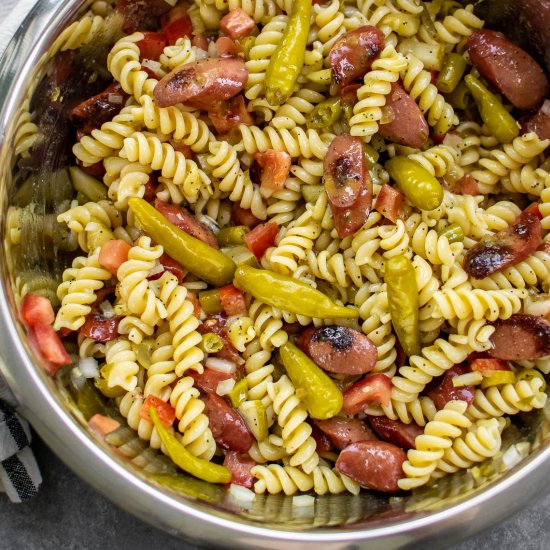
[
  {"x": 287, "y": 61},
  {"x": 402, "y": 289},
  {"x": 499, "y": 121},
  {"x": 198, "y": 467},
  {"x": 416, "y": 183},
  {"x": 454, "y": 233},
  {"x": 284, "y": 292},
  {"x": 201, "y": 260},
  {"x": 317, "y": 391}
]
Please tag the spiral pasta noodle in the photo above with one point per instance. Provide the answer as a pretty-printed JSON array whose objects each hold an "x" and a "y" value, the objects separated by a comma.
[
  {"x": 77, "y": 291},
  {"x": 121, "y": 363},
  {"x": 296, "y": 433},
  {"x": 438, "y": 435}
]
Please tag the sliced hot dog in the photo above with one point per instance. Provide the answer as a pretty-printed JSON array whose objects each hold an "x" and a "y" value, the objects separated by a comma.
[
  {"x": 373, "y": 464},
  {"x": 179, "y": 216},
  {"x": 322, "y": 443},
  {"x": 342, "y": 350},
  {"x": 347, "y": 183},
  {"x": 441, "y": 390},
  {"x": 539, "y": 122},
  {"x": 343, "y": 432},
  {"x": 227, "y": 425},
  {"x": 508, "y": 68},
  {"x": 352, "y": 55},
  {"x": 396, "y": 432},
  {"x": 508, "y": 247},
  {"x": 203, "y": 83},
  {"x": 520, "y": 338},
  {"x": 407, "y": 125}
]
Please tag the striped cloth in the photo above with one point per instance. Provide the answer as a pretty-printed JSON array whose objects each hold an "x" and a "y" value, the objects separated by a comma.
[{"x": 19, "y": 473}]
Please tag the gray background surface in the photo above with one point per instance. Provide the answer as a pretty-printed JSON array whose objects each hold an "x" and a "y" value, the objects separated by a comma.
[{"x": 69, "y": 514}]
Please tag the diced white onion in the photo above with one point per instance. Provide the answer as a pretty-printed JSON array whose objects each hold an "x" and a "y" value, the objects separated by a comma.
[
  {"x": 538, "y": 307},
  {"x": 468, "y": 379},
  {"x": 241, "y": 493},
  {"x": 225, "y": 386},
  {"x": 77, "y": 378},
  {"x": 511, "y": 457},
  {"x": 88, "y": 367},
  {"x": 221, "y": 365},
  {"x": 117, "y": 99},
  {"x": 159, "y": 268},
  {"x": 152, "y": 64},
  {"x": 107, "y": 309},
  {"x": 209, "y": 222},
  {"x": 200, "y": 53},
  {"x": 303, "y": 500},
  {"x": 171, "y": 2},
  {"x": 212, "y": 50}
]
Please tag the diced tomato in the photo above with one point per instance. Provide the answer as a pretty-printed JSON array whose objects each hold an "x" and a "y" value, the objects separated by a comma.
[
  {"x": 240, "y": 464},
  {"x": 466, "y": 185},
  {"x": 99, "y": 328},
  {"x": 35, "y": 310},
  {"x": 232, "y": 300},
  {"x": 200, "y": 41},
  {"x": 373, "y": 389},
  {"x": 209, "y": 379},
  {"x": 227, "y": 425},
  {"x": 390, "y": 203},
  {"x": 165, "y": 411},
  {"x": 103, "y": 425},
  {"x": 150, "y": 189},
  {"x": 275, "y": 168},
  {"x": 113, "y": 254},
  {"x": 229, "y": 114},
  {"x": 237, "y": 24},
  {"x": 49, "y": 346},
  {"x": 177, "y": 24},
  {"x": 261, "y": 238},
  {"x": 442, "y": 390},
  {"x": 181, "y": 218},
  {"x": 152, "y": 45},
  {"x": 196, "y": 304},
  {"x": 227, "y": 47},
  {"x": 489, "y": 365},
  {"x": 169, "y": 264},
  {"x": 242, "y": 216}
]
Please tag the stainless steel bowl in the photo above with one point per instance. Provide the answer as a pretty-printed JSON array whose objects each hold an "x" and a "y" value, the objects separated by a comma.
[{"x": 458, "y": 507}]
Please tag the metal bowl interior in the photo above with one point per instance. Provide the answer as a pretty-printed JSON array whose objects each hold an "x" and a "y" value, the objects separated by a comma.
[{"x": 34, "y": 255}]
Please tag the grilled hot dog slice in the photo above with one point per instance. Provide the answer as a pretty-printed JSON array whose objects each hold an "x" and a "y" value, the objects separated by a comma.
[{"x": 508, "y": 68}]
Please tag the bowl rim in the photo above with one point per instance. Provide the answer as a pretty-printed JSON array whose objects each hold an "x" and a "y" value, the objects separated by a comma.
[{"x": 80, "y": 452}]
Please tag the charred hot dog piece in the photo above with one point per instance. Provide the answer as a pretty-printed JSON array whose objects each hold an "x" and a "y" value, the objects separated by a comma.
[
  {"x": 521, "y": 338},
  {"x": 203, "y": 83},
  {"x": 343, "y": 431},
  {"x": 396, "y": 432},
  {"x": 539, "y": 122},
  {"x": 508, "y": 247},
  {"x": 342, "y": 350},
  {"x": 347, "y": 183},
  {"x": 508, "y": 68},
  {"x": 352, "y": 55},
  {"x": 227, "y": 425},
  {"x": 407, "y": 125},
  {"x": 179, "y": 216},
  {"x": 373, "y": 464}
]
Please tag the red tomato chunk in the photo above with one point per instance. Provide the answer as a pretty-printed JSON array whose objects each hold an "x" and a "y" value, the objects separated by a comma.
[
  {"x": 237, "y": 24},
  {"x": 165, "y": 411}
]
